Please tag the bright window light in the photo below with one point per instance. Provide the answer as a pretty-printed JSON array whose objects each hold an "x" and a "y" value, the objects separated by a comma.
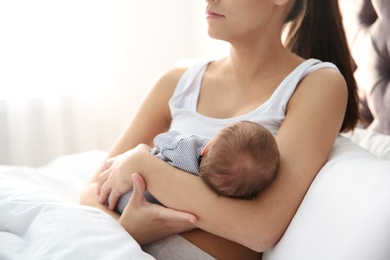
[{"x": 59, "y": 48}]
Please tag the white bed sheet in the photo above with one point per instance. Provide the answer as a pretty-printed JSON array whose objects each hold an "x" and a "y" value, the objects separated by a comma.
[
  {"x": 345, "y": 214},
  {"x": 40, "y": 217}
]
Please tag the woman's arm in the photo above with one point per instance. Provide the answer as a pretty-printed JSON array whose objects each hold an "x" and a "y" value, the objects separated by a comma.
[
  {"x": 160, "y": 221},
  {"x": 305, "y": 139}
]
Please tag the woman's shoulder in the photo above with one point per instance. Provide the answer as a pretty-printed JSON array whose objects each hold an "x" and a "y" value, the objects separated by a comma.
[
  {"x": 172, "y": 75},
  {"x": 177, "y": 73},
  {"x": 324, "y": 82},
  {"x": 320, "y": 70},
  {"x": 166, "y": 83}
]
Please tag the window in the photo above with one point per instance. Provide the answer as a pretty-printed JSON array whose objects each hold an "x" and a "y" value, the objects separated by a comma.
[{"x": 59, "y": 48}]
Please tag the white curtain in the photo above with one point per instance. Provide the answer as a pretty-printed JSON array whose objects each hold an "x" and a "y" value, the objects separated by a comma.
[
  {"x": 35, "y": 131},
  {"x": 72, "y": 73}
]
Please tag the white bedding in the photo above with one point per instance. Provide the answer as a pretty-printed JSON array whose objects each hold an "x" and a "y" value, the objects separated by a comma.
[
  {"x": 378, "y": 144},
  {"x": 345, "y": 215},
  {"x": 40, "y": 217},
  {"x": 346, "y": 212}
]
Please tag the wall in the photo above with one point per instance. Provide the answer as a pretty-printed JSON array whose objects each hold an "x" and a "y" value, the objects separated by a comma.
[{"x": 48, "y": 109}]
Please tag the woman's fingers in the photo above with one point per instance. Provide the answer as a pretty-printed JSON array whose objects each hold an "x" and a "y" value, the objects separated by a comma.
[
  {"x": 184, "y": 221},
  {"x": 104, "y": 173},
  {"x": 113, "y": 199},
  {"x": 139, "y": 187},
  {"x": 148, "y": 222},
  {"x": 104, "y": 192},
  {"x": 105, "y": 165},
  {"x": 112, "y": 182},
  {"x": 101, "y": 180},
  {"x": 166, "y": 214}
]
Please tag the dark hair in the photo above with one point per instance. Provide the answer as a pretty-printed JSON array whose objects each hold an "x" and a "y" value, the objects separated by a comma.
[
  {"x": 316, "y": 31},
  {"x": 242, "y": 160}
]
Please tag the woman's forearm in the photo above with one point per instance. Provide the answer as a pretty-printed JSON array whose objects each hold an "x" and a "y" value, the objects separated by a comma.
[
  {"x": 156, "y": 221},
  {"x": 236, "y": 220}
]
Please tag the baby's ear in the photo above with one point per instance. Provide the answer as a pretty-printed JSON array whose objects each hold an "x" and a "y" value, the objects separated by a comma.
[{"x": 204, "y": 150}]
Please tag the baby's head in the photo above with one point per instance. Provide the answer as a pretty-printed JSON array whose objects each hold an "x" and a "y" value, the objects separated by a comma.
[{"x": 240, "y": 161}]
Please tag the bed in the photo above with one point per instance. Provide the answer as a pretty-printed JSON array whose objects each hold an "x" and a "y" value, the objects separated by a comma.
[
  {"x": 40, "y": 217},
  {"x": 344, "y": 215}
]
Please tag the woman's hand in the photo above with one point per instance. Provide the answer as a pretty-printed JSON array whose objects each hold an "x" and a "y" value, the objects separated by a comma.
[
  {"x": 114, "y": 179},
  {"x": 115, "y": 176},
  {"x": 147, "y": 222}
]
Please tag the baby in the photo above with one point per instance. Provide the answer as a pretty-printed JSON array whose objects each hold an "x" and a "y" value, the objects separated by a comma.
[{"x": 240, "y": 161}]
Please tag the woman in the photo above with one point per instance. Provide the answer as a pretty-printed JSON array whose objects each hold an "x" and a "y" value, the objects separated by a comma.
[{"x": 306, "y": 103}]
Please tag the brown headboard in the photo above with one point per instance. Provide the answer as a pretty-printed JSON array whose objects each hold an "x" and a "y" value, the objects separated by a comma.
[{"x": 367, "y": 24}]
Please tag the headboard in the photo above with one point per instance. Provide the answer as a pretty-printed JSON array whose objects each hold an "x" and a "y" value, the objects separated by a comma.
[{"x": 367, "y": 25}]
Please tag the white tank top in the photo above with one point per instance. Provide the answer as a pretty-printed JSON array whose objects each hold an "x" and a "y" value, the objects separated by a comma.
[{"x": 183, "y": 103}]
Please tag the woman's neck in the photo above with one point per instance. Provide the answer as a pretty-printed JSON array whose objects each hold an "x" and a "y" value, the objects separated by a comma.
[{"x": 250, "y": 62}]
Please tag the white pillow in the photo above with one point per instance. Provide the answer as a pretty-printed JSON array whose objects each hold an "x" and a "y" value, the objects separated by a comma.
[
  {"x": 346, "y": 212},
  {"x": 376, "y": 143}
]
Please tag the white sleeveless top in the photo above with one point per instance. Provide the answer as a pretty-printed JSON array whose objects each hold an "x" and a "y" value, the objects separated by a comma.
[{"x": 270, "y": 114}]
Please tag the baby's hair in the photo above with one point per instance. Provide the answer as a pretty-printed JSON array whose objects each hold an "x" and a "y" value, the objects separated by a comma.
[{"x": 242, "y": 160}]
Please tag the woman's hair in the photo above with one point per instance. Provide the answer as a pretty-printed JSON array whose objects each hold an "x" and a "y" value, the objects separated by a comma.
[
  {"x": 316, "y": 31},
  {"x": 242, "y": 160}
]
